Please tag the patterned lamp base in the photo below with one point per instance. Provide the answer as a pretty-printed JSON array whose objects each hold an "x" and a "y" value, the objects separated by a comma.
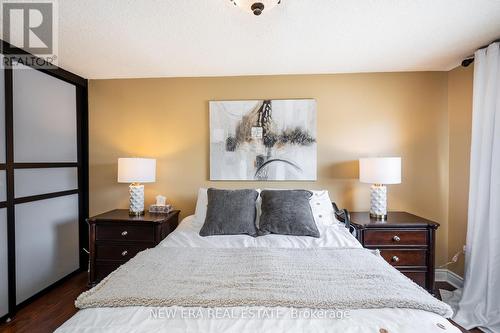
[
  {"x": 378, "y": 202},
  {"x": 136, "y": 192}
]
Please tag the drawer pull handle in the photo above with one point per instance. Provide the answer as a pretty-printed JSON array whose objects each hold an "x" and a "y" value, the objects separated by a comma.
[
  {"x": 124, "y": 253},
  {"x": 396, "y": 238},
  {"x": 124, "y": 233},
  {"x": 395, "y": 259}
]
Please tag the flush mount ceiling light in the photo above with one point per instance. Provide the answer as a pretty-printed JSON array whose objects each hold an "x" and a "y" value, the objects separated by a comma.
[{"x": 256, "y": 6}]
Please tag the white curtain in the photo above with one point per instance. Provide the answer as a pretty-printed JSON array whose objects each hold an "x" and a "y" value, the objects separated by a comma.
[{"x": 480, "y": 302}]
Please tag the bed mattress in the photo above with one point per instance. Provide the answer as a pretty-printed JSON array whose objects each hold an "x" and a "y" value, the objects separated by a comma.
[{"x": 255, "y": 319}]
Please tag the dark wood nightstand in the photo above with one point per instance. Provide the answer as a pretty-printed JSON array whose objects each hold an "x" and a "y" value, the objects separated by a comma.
[
  {"x": 115, "y": 237},
  {"x": 406, "y": 241}
]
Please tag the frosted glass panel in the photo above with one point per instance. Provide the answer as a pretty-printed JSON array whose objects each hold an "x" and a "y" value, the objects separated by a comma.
[
  {"x": 44, "y": 118},
  {"x": 40, "y": 181},
  {"x": 2, "y": 114},
  {"x": 3, "y": 189},
  {"x": 46, "y": 243},
  {"x": 4, "y": 296}
]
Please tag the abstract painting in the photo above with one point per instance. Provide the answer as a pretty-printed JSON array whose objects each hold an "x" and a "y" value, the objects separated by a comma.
[{"x": 263, "y": 140}]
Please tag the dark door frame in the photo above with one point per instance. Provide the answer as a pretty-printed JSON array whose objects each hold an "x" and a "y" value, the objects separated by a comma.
[{"x": 81, "y": 86}]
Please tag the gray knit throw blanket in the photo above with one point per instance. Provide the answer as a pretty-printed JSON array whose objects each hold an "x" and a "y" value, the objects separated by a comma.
[{"x": 317, "y": 278}]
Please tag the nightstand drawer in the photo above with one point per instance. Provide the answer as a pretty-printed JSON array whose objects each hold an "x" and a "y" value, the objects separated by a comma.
[
  {"x": 417, "y": 277},
  {"x": 395, "y": 237},
  {"x": 405, "y": 241},
  {"x": 103, "y": 269},
  {"x": 125, "y": 232},
  {"x": 405, "y": 257},
  {"x": 115, "y": 237},
  {"x": 119, "y": 252}
]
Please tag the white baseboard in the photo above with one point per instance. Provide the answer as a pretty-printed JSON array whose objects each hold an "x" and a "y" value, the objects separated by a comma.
[
  {"x": 448, "y": 276},
  {"x": 441, "y": 274}
]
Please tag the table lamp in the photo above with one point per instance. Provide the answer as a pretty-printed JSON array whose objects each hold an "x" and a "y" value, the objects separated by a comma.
[
  {"x": 136, "y": 171},
  {"x": 379, "y": 171}
]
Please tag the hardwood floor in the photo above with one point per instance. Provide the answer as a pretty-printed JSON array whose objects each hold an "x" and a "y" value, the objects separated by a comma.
[{"x": 51, "y": 310}]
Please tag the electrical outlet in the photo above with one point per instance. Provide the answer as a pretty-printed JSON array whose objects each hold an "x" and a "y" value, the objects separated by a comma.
[{"x": 464, "y": 250}]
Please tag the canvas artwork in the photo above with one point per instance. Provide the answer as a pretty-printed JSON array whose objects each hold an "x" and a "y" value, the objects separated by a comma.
[{"x": 263, "y": 140}]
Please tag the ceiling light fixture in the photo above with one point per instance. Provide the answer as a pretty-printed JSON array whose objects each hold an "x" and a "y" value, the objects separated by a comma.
[{"x": 256, "y": 6}]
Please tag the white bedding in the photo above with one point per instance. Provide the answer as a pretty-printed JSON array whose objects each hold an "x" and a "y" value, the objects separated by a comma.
[
  {"x": 139, "y": 319},
  {"x": 186, "y": 235},
  {"x": 254, "y": 319}
]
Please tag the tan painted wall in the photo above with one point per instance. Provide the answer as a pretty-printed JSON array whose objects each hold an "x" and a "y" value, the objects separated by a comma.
[
  {"x": 460, "y": 121},
  {"x": 402, "y": 114}
]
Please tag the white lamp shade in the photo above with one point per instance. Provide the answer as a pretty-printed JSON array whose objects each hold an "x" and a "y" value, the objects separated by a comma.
[
  {"x": 136, "y": 170},
  {"x": 380, "y": 170}
]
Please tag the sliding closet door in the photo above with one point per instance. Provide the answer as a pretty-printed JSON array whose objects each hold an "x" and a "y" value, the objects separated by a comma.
[
  {"x": 4, "y": 286},
  {"x": 45, "y": 180},
  {"x": 43, "y": 177}
]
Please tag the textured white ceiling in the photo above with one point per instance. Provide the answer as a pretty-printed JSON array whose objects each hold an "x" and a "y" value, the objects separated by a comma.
[{"x": 168, "y": 38}]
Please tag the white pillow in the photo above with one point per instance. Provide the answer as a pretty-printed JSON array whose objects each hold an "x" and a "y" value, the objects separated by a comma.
[
  {"x": 322, "y": 209},
  {"x": 201, "y": 207}
]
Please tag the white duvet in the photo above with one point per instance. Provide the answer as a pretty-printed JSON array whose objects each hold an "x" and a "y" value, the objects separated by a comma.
[{"x": 255, "y": 319}]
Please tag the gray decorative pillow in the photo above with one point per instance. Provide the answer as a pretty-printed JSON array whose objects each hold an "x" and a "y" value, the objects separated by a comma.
[
  {"x": 230, "y": 212},
  {"x": 287, "y": 212}
]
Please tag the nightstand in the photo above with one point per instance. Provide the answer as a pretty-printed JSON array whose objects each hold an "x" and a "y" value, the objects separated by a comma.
[
  {"x": 115, "y": 237},
  {"x": 405, "y": 241}
]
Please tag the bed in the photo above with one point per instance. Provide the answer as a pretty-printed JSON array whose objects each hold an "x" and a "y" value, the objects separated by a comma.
[{"x": 249, "y": 318}]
